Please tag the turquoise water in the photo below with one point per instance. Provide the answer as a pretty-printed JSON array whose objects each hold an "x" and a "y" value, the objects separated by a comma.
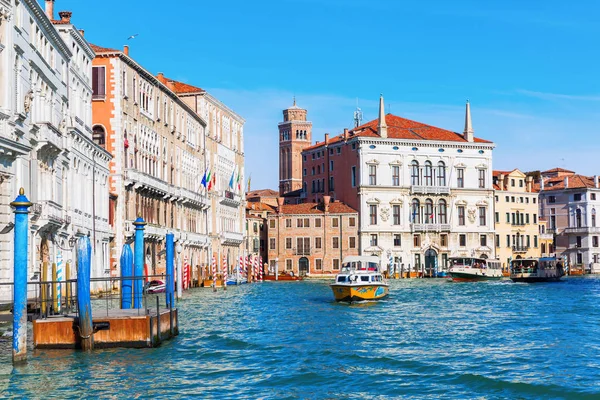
[{"x": 430, "y": 339}]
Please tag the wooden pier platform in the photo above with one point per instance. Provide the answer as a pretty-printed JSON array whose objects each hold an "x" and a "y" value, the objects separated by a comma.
[{"x": 120, "y": 328}]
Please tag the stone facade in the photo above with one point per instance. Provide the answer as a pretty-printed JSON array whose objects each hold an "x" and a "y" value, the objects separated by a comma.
[
  {"x": 311, "y": 239},
  {"x": 515, "y": 217},
  {"x": 295, "y": 134}
]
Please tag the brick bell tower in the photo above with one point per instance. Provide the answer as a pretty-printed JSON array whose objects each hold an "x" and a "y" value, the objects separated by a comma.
[{"x": 295, "y": 134}]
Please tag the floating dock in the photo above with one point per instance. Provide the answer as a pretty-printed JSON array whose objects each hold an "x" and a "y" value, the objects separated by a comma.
[{"x": 120, "y": 328}]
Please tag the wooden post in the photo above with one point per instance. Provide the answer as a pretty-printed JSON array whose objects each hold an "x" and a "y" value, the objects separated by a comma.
[
  {"x": 54, "y": 290},
  {"x": 44, "y": 291}
]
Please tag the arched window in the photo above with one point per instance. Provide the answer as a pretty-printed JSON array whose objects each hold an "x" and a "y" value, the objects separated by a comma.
[
  {"x": 441, "y": 174},
  {"x": 415, "y": 212},
  {"x": 99, "y": 136},
  {"x": 428, "y": 211},
  {"x": 414, "y": 174},
  {"x": 428, "y": 174},
  {"x": 442, "y": 212},
  {"x": 578, "y": 218}
]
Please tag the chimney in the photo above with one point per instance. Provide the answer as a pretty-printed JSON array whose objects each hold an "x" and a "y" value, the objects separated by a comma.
[
  {"x": 501, "y": 181},
  {"x": 326, "y": 138},
  {"x": 382, "y": 125},
  {"x": 160, "y": 76},
  {"x": 596, "y": 181},
  {"x": 468, "y": 132},
  {"x": 65, "y": 16},
  {"x": 280, "y": 201},
  {"x": 326, "y": 201},
  {"x": 126, "y": 50},
  {"x": 541, "y": 184},
  {"x": 82, "y": 32},
  {"x": 566, "y": 182},
  {"x": 345, "y": 133},
  {"x": 529, "y": 183},
  {"x": 171, "y": 85},
  {"x": 50, "y": 9}
]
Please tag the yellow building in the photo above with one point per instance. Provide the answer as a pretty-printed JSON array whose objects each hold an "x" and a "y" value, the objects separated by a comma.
[{"x": 516, "y": 217}]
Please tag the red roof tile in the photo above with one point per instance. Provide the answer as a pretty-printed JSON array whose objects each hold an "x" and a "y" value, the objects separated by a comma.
[
  {"x": 574, "y": 182},
  {"x": 317, "y": 208},
  {"x": 557, "y": 170},
  {"x": 262, "y": 193},
  {"x": 402, "y": 128},
  {"x": 256, "y": 206},
  {"x": 498, "y": 173},
  {"x": 179, "y": 87},
  {"x": 98, "y": 49}
]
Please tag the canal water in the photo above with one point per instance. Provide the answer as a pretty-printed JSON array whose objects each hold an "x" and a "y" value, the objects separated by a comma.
[{"x": 430, "y": 339}]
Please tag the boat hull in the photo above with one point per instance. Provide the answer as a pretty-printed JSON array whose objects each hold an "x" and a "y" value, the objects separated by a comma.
[
  {"x": 468, "y": 277},
  {"x": 352, "y": 293},
  {"x": 282, "y": 278},
  {"x": 535, "y": 279}
]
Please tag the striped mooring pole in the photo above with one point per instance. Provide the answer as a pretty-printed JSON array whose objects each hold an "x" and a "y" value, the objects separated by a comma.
[{"x": 21, "y": 209}]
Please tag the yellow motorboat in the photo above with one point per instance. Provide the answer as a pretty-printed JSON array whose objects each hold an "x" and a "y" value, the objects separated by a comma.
[{"x": 360, "y": 279}]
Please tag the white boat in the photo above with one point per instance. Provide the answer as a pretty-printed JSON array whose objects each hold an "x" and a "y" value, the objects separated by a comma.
[
  {"x": 545, "y": 269},
  {"x": 360, "y": 279},
  {"x": 466, "y": 269}
]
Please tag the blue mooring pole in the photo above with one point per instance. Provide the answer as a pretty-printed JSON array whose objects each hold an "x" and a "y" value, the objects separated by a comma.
[
  {"x": 170, "y": 250},
  {"x": 84, "y": 258},
  {"x": 21, "y": 209},
  {"x": 138, "y": 284},
  {"x": 126, "y": 272}
]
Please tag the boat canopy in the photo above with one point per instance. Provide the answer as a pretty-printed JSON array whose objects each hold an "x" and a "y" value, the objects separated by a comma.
[{"x": 360, "y": 263}]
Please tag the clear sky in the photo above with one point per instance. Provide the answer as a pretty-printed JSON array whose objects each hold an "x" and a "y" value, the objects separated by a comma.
[{"x": 529, "y": 68}]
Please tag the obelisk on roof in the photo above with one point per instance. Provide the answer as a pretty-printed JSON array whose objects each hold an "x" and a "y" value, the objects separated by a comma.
[
  {"x": 382, "y": 126},
  {"x": 468, "y": 133}
]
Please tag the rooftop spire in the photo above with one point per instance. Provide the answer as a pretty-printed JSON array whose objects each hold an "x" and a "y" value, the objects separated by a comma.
[
  {"x": 294, "y": 100},
  {"x": 382, "y": 126},
  {"x": 468, "y": 133}
]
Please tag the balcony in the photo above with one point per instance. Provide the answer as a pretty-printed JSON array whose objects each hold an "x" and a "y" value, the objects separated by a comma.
[
  {"x": 302, "y": 251},
  {"x": 147, "y": 182},
  {"x": 187, "y": 196},
  {"x": 520, "y": 249},
  {"x": 230, "y": 198},
  {"x": 546, "y": 236},
  {"x": 232, "y": 238},
  {"x": 430, "y": 227},
  {"x": 51, "y": 140},
  {"x": 52, "y": 214},
  {"x": 439, "y": 190},
  {"x": 582, "y": 229}
]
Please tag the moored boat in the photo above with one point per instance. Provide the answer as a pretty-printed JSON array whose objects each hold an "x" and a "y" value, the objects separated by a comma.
[
  {"x": 282, "y": 277},
  {"x": 360, "y": 279},
  {"x": 466, "y": 269},
  {"x": 545, "y": 269}
]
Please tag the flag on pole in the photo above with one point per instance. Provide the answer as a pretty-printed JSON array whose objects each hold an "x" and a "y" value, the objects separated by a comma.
[
  {"x": 212, "y": 180},
  {"x": 205, "y": 179},
  {"x": 238, "y": 180},
  {"x": 248, "y": 188},
  {"x": 231, "y": 180}
]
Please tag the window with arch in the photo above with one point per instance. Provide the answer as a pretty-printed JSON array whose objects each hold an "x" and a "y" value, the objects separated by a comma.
[
  {"x": 99, "y": 136},
  {"x": 441, "y": 174},
  {"x": 429, "y": 217},
  {"x": 414, "y": 210},
  {"x": 428, "y": 174},
  {"x": 442, "y": 212},
  {"x": 414, "y": 172}
]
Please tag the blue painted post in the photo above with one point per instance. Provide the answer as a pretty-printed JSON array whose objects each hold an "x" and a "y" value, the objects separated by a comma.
[
  {"x": 21, "y": 209},
  {"x": 138, "y": 284},
  {"x": 170, "y": 289},
  {"x": 84, "y": 258},
  {"x": 126, "y": 272}
]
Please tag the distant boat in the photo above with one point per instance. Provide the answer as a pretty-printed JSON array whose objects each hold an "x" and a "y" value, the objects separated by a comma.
[
  {"x": 360, "y": 279},
  {"x": 282, "y": 277},
  {"x": 545, "y": 269},
  {"x": 466, "y": 269}
]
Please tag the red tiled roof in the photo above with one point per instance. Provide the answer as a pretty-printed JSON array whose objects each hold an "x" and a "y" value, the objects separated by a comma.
[
  {"x": 317, "y": 208},
  {"x": 98, "y": 49},
  {"x": 257, "y": 206},
  {"x": 402, "y": 128},
  {"x": 262, "y": 193},
  {"x": 498, "y": 173},
  {"x": 60, "y": 22},
  {"x": 179, "y": 87},
  {"x": 557, "y": 170},
  {"x": 574, "y": 182}
]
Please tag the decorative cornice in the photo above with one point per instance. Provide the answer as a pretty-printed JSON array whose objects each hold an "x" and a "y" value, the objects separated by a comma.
[
  {"x": 426, "y": 143},
  {"x": 47, "y": 25}
]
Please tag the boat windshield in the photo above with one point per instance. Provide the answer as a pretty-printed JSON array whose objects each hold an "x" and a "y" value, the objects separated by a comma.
[
  {"x": 524, "y": 266},
  {"x": 359, "y": 266}
]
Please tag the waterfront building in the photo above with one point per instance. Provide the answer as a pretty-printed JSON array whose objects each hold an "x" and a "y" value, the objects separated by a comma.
[
  {"x": 423, "y": 193},
  {"x": 569, "y": 202},
  {"x": 257, "y": 214},
  {"x": 224, "y": 156},
  {"x": 43, "y": 148},
  {"x": 515, "y": 217},
  {"x": 159, "y": 148},
  {"x": 266, "y": 196},
  {"x": 546, "y": 239},
  {"x": 311, "y": 238},
  {"x": 295, "y": 134}
]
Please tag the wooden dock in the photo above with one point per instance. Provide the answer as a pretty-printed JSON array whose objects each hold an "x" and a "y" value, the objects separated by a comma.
[{"x": 120, "y": 328}]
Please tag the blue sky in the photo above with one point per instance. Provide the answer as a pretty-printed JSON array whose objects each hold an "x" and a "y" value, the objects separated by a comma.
[{"x": 530, "y": 69}]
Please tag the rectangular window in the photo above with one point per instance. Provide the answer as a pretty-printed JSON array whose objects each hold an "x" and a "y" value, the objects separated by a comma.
[
  {"x": 497, "y": 216},
  {"x": 535, "y": 218},
  {"x": 352, "y": 221},
  {"x": 306, "y": 222},
  {"x": 396, "y": 214},
  {"x": 288, "y": 243},
  {"x": 318, "y": 264},
  {"x": 331, "y": 163},
  {"x": 288, "y": 265},
  {"x": 272, "y": 244},
  {"x": 482, "y": 178},
  {"x": 336, "y": 263},
  {"x": 579, "y": 258},
  {"x": 461, "y": 215},
  {"x": 577, "y": 197},
  {"x": 551, "y": 199},
  {"x": 497, "y": 240},
  {"x": 374, "y": 239},
  {"x": 593, "y": 196},
  {"x": 535, "y": 241},
  {"x": 372, "y": 175},
  {"x": 526, "y": 218},
  {"x": 482, "y": 219},
  {"x": 507, "y": 240},
  {"x": 462, "y": 240},
  {"x": 353, "y": 176},
  {"x": 352, "y": 242},
  {"x": 317, "y": 243},
  {"x": 395, "y": 175},
  {"x": 460, "y": 178},
  {"x": 335, "y": 242},
  {"x": 483, "y": 240},
  {"x": 288, "y": 222},
  {"x": 317, "y": 222},
  {"x": 594, "y": 241},
  {"x": 397, "y": 240},
  {"x": 417, "y": 240},
  {"x": 299, "y": 223},
  {"x": 444, "y": 240},
  {"x": 271, "y": 224},
  {"x": 508, "y": 218},
  {"x": 512, "y": 182},
  {"x": 335, "y": 222},
  {"x": 578, "y": 239},
  {"x": 373, "y": 214},
  {"x": 98, "y": 83}
]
